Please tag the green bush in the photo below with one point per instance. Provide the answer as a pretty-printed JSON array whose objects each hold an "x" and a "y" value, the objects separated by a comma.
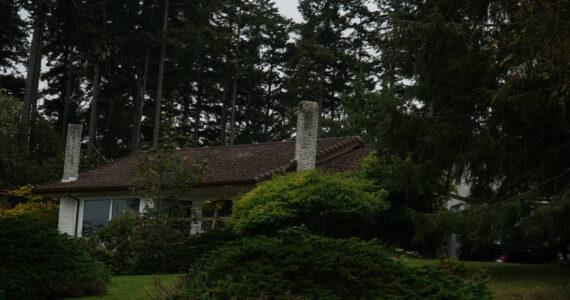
[
  {"x": 330, "y": 205},
  {"x": 144, "y": 245},
  {"x": 114, "y": 244},
  {"x": 36, "y": 262},
  {"x": 296, "y": 264}
]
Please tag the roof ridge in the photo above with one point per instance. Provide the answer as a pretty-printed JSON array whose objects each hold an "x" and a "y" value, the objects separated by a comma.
[
  {"x": 292, "y": 163},
  {"x": 264, "y": 143},
  {"x": 115, "y": 160}
]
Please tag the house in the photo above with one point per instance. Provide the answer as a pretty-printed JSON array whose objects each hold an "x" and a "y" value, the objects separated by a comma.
[{"x": 94, "y": 197}]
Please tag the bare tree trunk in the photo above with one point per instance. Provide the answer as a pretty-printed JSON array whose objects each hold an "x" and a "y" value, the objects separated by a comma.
[
  {"x": 197, "y": 114},
  {"x": 93, "y": 117},
  {"x": 32, "y": 78},
  {"x": 139, "y": 103},
  {"x": 224, "y": 121},
  {"x": 234, "y": 92},
  {"x": 233, "y": 112},
  {"x": 157, "y": 111},
  {"x": 67, "y": 96},
  {"x": 37, "y": 77},
  {"x": 268, "y": 99}
]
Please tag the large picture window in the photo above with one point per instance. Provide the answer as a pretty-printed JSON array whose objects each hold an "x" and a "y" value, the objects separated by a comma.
[{"x": 98, "y": 212}]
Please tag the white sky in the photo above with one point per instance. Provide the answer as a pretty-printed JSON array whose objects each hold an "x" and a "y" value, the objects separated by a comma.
[{"x": 288, "y": 8}]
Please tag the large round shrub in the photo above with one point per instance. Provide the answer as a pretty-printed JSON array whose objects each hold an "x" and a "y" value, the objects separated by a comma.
[
  {"x": 38, "y": 262},
  {"x": 330, "y": 205},
  {"x": 295, "y": 265}
]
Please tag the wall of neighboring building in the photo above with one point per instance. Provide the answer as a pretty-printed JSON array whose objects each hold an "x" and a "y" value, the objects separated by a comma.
[{"x": 453, "y": 243}]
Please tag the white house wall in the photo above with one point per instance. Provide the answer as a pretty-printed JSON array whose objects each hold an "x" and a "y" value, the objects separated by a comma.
[
  {"x": 67, "y": 213},
  {"x": 68, "y": 205}
]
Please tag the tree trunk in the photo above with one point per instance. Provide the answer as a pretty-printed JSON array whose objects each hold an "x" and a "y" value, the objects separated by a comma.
[
  {"x": 139, "y": 104},
  {"x": 224, "y": 121},
  {"x": 197, "y": 114},
  {"x": 268, "y": 100},
  {"x": 93, "y": 117},
  {"x": 233, "y": 113},
  {"x": 234, "y": 92},
  {"x": 157, "y": 111},
  {"x": 34, "y": 67},
  {"x": 66, "y": 98}
]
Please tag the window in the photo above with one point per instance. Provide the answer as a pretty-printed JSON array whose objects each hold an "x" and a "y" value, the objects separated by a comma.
[
  {"x": 186, "y": 208},
  {"x": 224, "y": 208},
  {"x": 122, "y": 206},
  {"x": 97, "y": 213}
]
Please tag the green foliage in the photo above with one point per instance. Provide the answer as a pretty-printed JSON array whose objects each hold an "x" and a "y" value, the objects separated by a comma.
[
  {"x": 296, "y": 264},
  {"x": 408, "y": 195},
  {"x": 143, "y": 245},
  {"x": 474, "y": 91},
  {"x": 326, "y": 204},
  {"x": 32, "y": 206},
  {"x": 39, "y": 262},
  {"x": 43, "y": 162},
  {"x": 164, "y": 173}
]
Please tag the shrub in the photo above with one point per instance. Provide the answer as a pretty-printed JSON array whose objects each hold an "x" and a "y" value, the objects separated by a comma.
[
  {"x": 332, "y": 205},
  {"x": 295, "y": 265},
  {"x": 143, "y": 245},
  {"x": 114, "y": 244},
  {"x": 36, "y": 262}
]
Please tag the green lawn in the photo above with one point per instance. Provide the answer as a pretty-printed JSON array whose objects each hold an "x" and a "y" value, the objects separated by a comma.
[
  {"x": 135, "y": 287},
  {"x": 520, "y": 281},
  {"x": 508, "y": 281}
]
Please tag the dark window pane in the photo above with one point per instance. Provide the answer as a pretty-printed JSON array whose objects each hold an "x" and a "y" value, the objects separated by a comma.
[
  {"x": 120, "y": 206},
  {"x": 186, "y": 208},
  {"x": 95, "y": 214}
]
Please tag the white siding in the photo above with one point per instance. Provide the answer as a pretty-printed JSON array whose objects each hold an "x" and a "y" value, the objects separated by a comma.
[{"x": 67, "y": 212}]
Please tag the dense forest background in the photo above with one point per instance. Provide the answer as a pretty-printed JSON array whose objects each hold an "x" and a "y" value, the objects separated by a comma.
[{"x": 446, "y": 90}]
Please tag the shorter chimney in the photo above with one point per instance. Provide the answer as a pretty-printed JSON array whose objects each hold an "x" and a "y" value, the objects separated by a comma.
[
  {"x": 72, "y": 152},
  {"x": 306, "y": 141}
]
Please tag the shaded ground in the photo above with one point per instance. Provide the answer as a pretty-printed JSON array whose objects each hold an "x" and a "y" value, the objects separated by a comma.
[{"x": 520, "y": 281}]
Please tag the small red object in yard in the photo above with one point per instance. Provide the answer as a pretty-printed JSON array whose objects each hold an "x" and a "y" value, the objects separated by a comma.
[{"x": 503, "y": 258}]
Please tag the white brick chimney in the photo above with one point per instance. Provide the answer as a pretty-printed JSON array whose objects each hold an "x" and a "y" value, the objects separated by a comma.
[
  {"x": 72, "y": 152},
  {"x": 306, "y": 140}
]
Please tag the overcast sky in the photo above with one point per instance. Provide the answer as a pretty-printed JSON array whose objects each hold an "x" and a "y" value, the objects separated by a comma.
[{"x": 288, "y": 8}]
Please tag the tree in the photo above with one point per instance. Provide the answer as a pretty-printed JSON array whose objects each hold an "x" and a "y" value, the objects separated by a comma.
[
  {"x": 39, "y": 11},
  {"x": 334, "y": 45},
  {"x": 464, "y": 99},
  {"x": 157, "y": 112},
  {"x": 165, "y": 172}
]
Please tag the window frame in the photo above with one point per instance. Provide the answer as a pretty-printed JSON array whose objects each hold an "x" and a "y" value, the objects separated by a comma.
[{"x": 111, "y": 199}]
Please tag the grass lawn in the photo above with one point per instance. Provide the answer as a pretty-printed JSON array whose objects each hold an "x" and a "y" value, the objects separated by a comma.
[
  {"x": 508, "y": 281},
  {"x": 134, "y": 287},
  {"x": 520, "y": 281}
]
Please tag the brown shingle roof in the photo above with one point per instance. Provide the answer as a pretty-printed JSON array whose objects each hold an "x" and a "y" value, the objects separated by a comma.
[{"x": 226, "y": 165}]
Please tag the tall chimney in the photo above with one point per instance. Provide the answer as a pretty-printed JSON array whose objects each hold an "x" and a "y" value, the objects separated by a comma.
[
  {"x": 72, "y": 151},
  {"x": 306, "y": 141}
]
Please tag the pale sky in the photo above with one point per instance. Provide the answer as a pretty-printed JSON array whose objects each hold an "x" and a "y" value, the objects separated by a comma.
[{"x": 288, "y": 8}]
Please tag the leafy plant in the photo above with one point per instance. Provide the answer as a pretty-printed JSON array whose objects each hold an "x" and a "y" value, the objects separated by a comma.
[
  {"x": 164, "y": 173},
  {"x": 145, "y": 245},
  {"x": 296, "y": 264},
  {"x": 327, "y": 204},
  {"x": 39, "y": 262}
]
